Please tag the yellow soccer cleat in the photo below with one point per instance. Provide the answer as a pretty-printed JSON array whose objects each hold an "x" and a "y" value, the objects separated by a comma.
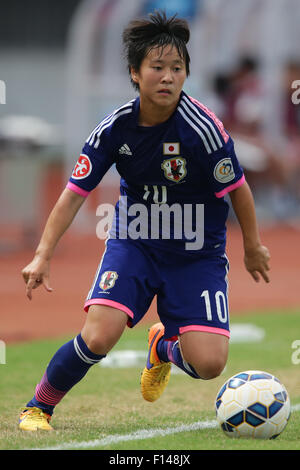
[
  {"x": 156, "y": 374},
  {"x": 33, "y": 419}
]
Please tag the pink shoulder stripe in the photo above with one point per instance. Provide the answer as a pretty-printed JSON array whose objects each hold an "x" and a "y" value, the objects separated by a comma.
[
  {"x": 76, "y": 189},
  {"x": 231, "y": 187},
  {"x": 216, "y": 120}
]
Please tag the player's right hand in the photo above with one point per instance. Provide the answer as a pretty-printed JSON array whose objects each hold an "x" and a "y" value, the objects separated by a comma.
[
  {"x": 36, "y": 274},
  {"x": 257, "y": 263}
]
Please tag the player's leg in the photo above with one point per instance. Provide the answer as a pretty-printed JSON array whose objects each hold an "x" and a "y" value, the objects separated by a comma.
[
  {"x": 119, "y": 296},
  {"x": 103, "y": 327},
  {"x": 201, "y": 355},
  {"x": 196, "y": 315},
  {"x": 205, "y": 352}
]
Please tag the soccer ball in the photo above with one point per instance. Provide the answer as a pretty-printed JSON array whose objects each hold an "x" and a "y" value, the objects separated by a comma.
[{"x": 253, "y": 404}]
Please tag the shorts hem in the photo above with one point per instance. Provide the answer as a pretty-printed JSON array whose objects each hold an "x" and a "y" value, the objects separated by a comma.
[
  {"x": 205, "y": 329},
  {"x": 108, "y": 303}
]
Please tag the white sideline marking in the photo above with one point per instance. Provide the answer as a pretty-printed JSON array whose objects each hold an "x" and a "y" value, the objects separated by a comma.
[
  {"x": 137, "y": 435},
  {"x": 141, "y": 434}
]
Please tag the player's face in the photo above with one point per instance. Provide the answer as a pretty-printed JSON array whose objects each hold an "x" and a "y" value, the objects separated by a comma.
[{"x": 161, "y": 77}]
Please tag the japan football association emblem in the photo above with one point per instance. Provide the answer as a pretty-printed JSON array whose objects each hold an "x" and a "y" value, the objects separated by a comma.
[
  {"x": 82, "y": 168},
  {"x": 108, "y": 280},
  {"x": 174, "y": 168}
]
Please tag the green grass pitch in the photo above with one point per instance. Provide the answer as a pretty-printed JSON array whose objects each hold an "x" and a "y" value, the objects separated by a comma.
[{"x": 106, "y": 411}]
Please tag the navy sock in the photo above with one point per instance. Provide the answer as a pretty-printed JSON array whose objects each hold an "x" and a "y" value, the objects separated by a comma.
[
  {"x": 67, "y": 367},
  {"x": 169, "y": 351}
]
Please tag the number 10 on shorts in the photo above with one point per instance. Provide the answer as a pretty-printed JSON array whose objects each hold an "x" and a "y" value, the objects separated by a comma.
[{"x": 221, "y": 305}]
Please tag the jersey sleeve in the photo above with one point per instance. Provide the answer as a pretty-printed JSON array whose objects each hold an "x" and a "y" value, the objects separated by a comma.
[
  {"x": 224, "y": 170},
  {"x": 92, "y": 164}
]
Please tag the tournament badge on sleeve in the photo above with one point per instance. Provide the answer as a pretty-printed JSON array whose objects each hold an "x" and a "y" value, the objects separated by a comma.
[{"x": 224, "y": 171}]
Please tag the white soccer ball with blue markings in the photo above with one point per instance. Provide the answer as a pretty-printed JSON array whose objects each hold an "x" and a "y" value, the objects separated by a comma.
[{"x": 253, "y": 404}]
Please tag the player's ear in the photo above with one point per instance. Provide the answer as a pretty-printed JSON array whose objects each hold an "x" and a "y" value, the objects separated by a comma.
[{"x": 134, "y": 75}]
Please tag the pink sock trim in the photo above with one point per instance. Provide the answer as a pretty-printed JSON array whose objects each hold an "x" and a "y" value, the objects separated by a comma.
[
  {"x": 109, "y": 303},
  {"x": 47, "y": 394},
  {"x": 206, "y": 329}
]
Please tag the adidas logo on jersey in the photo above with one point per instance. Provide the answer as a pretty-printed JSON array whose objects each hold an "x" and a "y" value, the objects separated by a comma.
[{"x": 125, "y": 150}]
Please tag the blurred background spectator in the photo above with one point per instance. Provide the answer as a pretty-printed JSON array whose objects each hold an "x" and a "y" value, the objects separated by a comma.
[{"x": 270, "y": 170}]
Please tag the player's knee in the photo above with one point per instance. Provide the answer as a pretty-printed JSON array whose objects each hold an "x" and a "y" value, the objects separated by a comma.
[
  {"x": 96, "y": 344},
  {"x": 209, "y": 368},
  {"x": 103, "y": 328}
]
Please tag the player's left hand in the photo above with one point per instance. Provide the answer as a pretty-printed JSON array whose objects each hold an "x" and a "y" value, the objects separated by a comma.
[{"x": 257, "y": 262}]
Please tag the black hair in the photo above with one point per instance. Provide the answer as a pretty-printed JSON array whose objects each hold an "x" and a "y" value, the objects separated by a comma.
[{"x": 142, "y": 35}]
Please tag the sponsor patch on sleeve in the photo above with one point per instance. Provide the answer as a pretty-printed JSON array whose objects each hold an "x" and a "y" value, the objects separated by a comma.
[
  {"x": 82, "y": 168},
  {"x": 224, "y": 171}
]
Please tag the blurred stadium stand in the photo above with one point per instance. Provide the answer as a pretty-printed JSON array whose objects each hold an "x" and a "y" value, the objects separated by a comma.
[{"x": 63, "y": 69}]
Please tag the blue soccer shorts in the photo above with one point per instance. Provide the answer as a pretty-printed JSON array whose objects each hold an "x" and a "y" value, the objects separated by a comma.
[{"x": 192, "y": 292}]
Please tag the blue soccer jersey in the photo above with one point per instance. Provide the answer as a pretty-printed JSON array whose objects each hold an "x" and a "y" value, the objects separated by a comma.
[{"x": 174, "y": 176}]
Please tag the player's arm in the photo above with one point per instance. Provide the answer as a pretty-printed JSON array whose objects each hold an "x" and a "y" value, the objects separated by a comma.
[
  {"x": 256, "y": 256},
  {"x": 37, "y": 272}
]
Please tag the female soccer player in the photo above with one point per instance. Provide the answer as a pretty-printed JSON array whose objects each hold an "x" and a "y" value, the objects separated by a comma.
[{"x": 176, "y": 162}]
